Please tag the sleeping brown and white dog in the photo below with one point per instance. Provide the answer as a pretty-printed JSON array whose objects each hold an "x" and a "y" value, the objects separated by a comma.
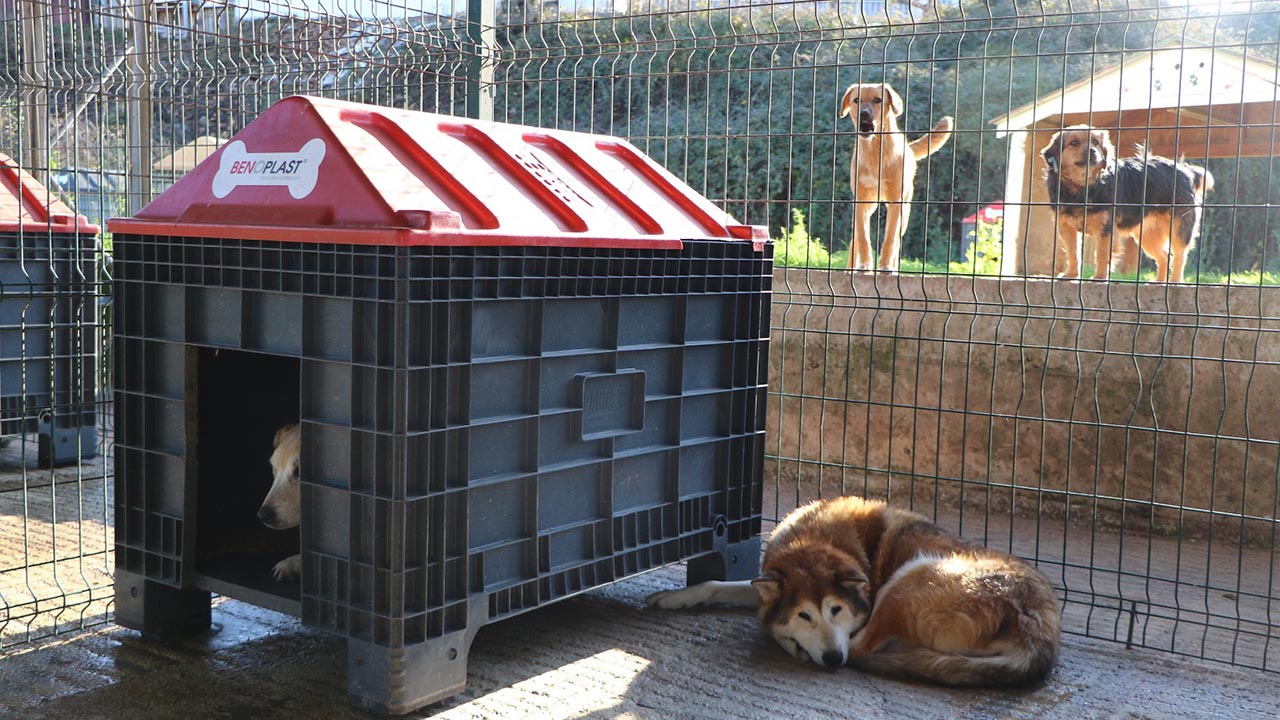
[
  {"x": 282, "y": 508},
  {"x": 847, "y": 581}
]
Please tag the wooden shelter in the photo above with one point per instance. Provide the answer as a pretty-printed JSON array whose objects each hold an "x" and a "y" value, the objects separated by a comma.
[
  {"x": 1199, "y": 102},
  {"x": 188, "y": 156}
]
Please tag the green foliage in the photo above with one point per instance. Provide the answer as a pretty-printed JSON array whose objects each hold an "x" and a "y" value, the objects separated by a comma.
[
  {"x": 796, "y": 248},
  {"x": 1240, "y": 231},
  {"x": 740, "y": 101},
  {"x": 983, "y": 255}
]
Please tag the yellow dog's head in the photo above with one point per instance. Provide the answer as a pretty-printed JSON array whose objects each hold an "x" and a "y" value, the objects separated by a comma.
[{"x": 874, "y": 106}]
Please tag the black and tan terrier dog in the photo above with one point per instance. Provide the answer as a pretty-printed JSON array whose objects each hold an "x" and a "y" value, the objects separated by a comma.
[{"x": 1154, "y": 200}]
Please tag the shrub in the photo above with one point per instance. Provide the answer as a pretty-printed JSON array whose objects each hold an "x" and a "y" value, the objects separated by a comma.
[
  {"x": 983, "y": 255},
  {"x": 796, "y": 249}
]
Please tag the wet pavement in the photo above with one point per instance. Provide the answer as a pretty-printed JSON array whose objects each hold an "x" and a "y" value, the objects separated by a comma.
[{"x": 598, "y": 655}]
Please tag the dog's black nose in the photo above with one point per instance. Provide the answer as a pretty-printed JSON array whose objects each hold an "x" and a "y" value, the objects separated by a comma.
[
  {"x": 266, "y": 515},
  {"x": 833, "y": 658}
]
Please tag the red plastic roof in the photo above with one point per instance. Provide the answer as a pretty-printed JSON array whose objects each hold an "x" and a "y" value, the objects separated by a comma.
[
  {"x": 28, "y": 206},
  {"x": 316, "y": 170},
  {"x": 990, "y": 214}
]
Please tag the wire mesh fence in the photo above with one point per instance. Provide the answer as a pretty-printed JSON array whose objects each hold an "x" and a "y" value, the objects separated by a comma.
[
  {"x": 1119, "y": 433},
  {"x": 55, "y": 538}
]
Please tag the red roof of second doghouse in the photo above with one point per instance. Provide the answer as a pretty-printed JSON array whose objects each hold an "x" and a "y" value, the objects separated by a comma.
[
  {"x": 317, "y": 170},
  {"x": 28, "y": 206},
  {"x": 992, "y": 213}
]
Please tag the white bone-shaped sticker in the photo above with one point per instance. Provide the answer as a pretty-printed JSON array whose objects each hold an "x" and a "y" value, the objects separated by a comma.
[{"x": 297, "y": 171}]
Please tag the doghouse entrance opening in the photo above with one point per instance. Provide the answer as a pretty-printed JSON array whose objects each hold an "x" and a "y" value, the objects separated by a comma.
[{"x": 242, "y": 399}]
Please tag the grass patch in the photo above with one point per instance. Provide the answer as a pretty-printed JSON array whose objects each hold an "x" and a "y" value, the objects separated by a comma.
[
  {"x": 1207, "y": 276},
  {"x": 839, "y": 260}
]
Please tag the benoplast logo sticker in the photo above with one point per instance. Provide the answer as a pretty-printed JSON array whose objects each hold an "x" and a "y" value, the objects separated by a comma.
[{"x": 297, "y": 171}]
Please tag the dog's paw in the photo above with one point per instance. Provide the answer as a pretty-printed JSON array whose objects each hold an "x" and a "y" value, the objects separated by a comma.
[
  {"x": 288, "y": 569},
  {"x": 733, "y": 593},
  {"x": 680, "y": 599},
  {"x": 665, "y": 599}
]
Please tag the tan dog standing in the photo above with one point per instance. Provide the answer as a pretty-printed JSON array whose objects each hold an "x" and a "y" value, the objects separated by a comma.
[{"x": 883, "y": 169}]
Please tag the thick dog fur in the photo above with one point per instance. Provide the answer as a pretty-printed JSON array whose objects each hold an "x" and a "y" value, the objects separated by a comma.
[
  {"x": 851, "y": 581},
  {"x": 883, "y": 169},
  {"x": 1152, "y": 200},
  {"x": 282, "y": 508}
]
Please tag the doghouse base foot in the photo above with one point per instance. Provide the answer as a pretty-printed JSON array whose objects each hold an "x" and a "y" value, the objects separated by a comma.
[
  {"x": 395, "y": 681},
  {"x": 736, "y": 561},
  {"x": 158, "y": 611},
  {"x": 64, "y": 446}
]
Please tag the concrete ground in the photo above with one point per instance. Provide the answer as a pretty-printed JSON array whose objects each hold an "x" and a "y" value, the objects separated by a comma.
[
  {"x": 598, "y": 655},
  {"x": 602, "y": 654}
]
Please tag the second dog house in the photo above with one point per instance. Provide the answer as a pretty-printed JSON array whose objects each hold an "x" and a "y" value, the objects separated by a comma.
[
  {"x": 527, "y": 363},
  {"x": 48, "y": 319}
]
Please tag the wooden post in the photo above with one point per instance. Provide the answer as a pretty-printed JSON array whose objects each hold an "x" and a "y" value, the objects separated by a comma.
[
  {"x": 33, "y": 82},
  {"x": 482, "y": 34},
  {"x": 138, "y": 115}
]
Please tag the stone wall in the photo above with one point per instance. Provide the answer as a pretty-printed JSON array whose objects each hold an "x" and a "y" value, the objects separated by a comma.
[{"x": 1112, "y": 403}]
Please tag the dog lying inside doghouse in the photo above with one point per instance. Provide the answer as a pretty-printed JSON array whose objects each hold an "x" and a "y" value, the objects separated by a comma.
[
  {"x": 282, "y": 508},
  {"x": 1154, "y": 200}
]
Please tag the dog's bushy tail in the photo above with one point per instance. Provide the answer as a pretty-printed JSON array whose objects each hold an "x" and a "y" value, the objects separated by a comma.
[
  {"x": 1026, "y": 663},
  {"x": 926, "y": 145},
  {"x": 1201, "y": 181}
]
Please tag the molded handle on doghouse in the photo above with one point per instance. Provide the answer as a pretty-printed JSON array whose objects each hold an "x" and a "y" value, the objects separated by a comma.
[{"x": 612, "y": 403}]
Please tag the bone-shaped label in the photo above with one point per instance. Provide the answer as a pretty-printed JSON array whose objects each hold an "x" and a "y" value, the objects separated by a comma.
[{"x": 297, "y": 171}]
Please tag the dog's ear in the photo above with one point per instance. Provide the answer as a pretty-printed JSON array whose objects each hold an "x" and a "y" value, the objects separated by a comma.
[
  {"x": 895, "y": 101},
  {"x": 1051, "y": 151},
  {"x": 847, "y": 102},
  {"x": 852, "y": 579},
  {"x": 768, "y": 586},
  {"x": 281, "y": 433},
  {"x": 1051, "y": 146}
]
